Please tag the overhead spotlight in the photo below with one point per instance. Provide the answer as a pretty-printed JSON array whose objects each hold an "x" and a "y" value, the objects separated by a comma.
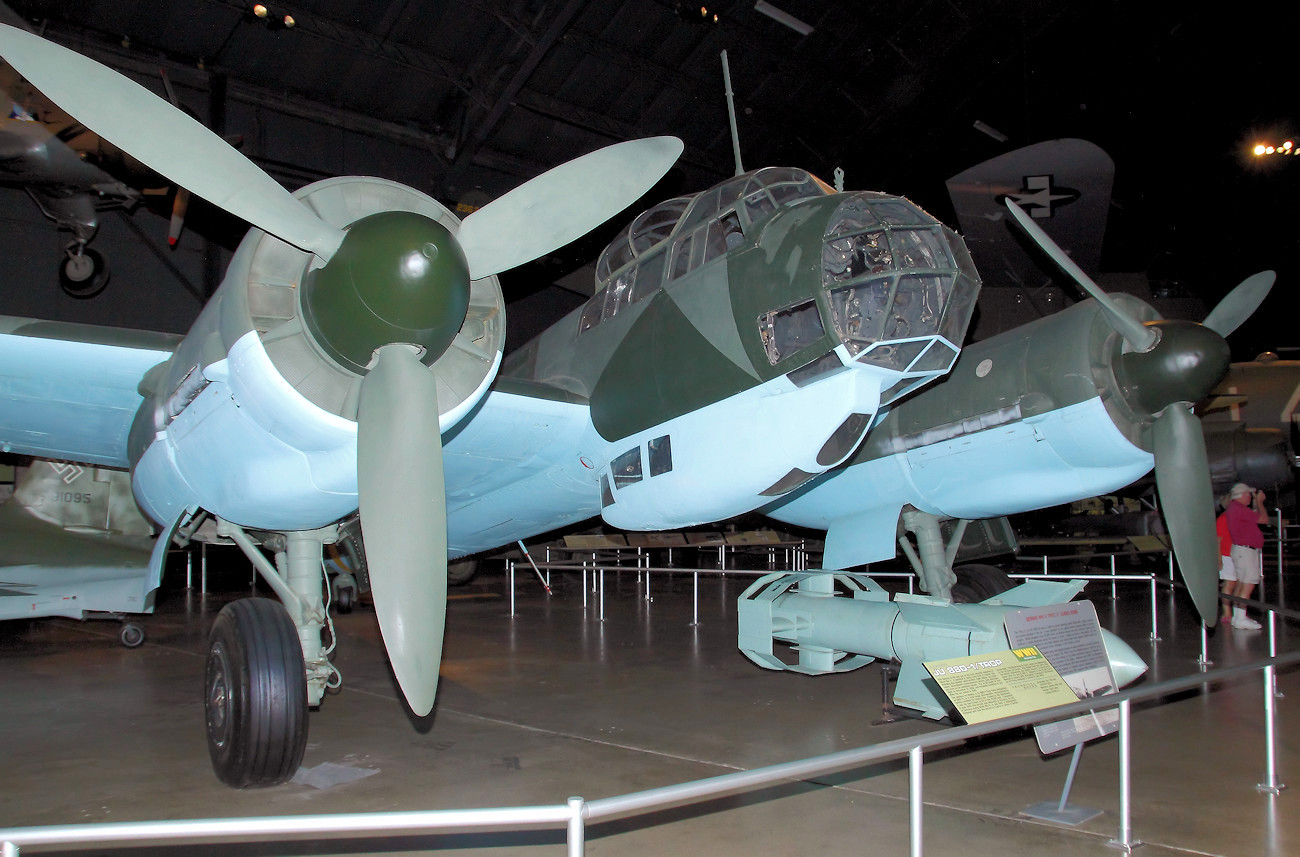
[
  {"x": 261, "y": 14},
  {"x": 693, "y": 14},
  {"x": 1286, "y": 148}
]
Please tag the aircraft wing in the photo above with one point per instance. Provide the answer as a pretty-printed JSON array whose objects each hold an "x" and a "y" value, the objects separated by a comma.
[
  {"x": 516, "y": 467},
  {"x": 70, "y": 391}
]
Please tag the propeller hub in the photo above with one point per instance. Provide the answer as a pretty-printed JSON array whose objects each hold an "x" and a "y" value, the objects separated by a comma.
[
  {"x": 398, "y": 276},
  {"x": 1186, "y": 362}
]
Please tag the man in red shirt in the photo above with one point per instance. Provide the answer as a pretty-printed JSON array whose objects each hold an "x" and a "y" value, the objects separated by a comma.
[{"x": 1244, "y": 514}]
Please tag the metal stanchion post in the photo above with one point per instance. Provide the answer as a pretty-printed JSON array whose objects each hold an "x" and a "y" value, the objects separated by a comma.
[
  {"x": 602, "y": 595},
  {"x": 1155, "y": 630},
  {"x": 1280, "y": 539},
  {"x": 1271, "y": 783},
  {"x": 915, "y": 798},
  {"x": 189, "y": 569},
  {"x": 1112, "y": 577},
  {"x": 1272, "y": 649},
  {"x": 510, "y": 582},
  {"x": 203, "y": 568},
  {"x": 577, "y": 826},
  {"x": 1204, "y": 659},
  {"x": 695, "y": 597},
  {"x": 1125, "y": 840},
  {"x": 1171, "y": 566}
]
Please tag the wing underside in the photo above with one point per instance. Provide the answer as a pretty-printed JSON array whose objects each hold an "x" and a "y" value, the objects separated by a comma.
[
  {"x": 517, "y": 468},
  {"x": 70, "y": 392}
]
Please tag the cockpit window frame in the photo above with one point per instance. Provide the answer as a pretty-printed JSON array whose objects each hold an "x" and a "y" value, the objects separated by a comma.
[{"x": 687, "y": 232}]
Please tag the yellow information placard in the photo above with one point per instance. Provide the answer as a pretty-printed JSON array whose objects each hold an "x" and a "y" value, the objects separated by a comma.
[{"x": 1000, "y": 684}]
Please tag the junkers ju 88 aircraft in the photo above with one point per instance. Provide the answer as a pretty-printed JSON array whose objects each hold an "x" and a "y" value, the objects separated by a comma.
[
  {"x": 740, "y": 345},
  {"x": 360, "y": 322}
]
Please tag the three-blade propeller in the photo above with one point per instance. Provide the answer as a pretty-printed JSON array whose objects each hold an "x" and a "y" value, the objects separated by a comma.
[
  {"x": 1167, "y": 367},
  {"x": 399, "y": 452}
]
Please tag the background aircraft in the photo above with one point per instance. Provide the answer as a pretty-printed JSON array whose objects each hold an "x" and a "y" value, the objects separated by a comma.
[
  {"x": 740, "y": 344},
  {"x": 73, "y": 543},
  {"x": 72, "y": 174},
  {"x": 1251, "y": 430}
]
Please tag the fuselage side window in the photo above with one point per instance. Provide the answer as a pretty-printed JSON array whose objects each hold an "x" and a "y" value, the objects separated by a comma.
[
  {"x": 627, "y": 468},
  {"x": 661, "y": 455}
]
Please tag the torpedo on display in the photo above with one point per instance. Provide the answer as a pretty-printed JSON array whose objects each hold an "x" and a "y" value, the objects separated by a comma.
[{"x": 836, "y": 622}]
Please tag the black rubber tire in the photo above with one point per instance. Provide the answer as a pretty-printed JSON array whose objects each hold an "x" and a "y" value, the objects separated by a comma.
[
  {"x": 976, "y": 583},
  {"x": 255, "y": 695},
  {"x": 345, "y": 599},
  {"x": 132, "y": 635},
  {"x": 462, "y": 571},
  {"x": 80, "y": 280}
]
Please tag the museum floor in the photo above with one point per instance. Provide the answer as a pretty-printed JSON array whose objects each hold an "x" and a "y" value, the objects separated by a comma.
[{"x": 554, "y": 702}]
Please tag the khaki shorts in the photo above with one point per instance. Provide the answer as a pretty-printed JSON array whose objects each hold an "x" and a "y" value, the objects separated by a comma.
[
  {"x": 1227, "y": 571},
  {"x": 1246, "y": 563}
]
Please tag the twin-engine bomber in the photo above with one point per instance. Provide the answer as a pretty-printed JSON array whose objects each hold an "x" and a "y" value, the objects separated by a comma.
[{"x": 768, "y": 344}]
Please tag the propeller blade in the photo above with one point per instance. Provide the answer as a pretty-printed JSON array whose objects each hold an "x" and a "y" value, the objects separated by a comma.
[
  {"x": 404, "y": 516},
  {"x": 1187, "y": 500},
  {"x": 1138, "y": 336},
  {"x": 180, "y": 206},
  {"x": 1240, "y": 303},
  {"x": 563, "y": 204},
  {"x": 165, "y": 139}
]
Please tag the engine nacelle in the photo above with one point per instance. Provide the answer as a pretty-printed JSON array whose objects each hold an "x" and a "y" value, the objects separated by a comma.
[{"x": 251, "y": 379}]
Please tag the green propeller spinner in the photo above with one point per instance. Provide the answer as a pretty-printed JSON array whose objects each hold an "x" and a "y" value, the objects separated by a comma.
[{"x": 397, "y": 277}]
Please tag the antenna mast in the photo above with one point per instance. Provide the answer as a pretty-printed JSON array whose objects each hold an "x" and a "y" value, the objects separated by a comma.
[{"x": 731, "y": 113}]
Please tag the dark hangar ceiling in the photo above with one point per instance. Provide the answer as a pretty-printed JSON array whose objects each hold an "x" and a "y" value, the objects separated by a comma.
[{"x": 889, "y": 90}]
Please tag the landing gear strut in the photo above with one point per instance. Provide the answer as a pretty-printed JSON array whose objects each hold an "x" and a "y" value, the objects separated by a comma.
[{"x": 932, "y": 562}]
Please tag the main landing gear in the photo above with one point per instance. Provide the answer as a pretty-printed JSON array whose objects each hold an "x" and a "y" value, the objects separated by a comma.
[
  {"x": 255, "y": 695},
  {"x": 267, "y": 663},
  {"x": 83, "y": 273},
  {"x": 932, "y": 562}
]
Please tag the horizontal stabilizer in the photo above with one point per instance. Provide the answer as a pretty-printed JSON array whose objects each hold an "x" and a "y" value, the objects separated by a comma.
[{"x": 1039, "y": 593}]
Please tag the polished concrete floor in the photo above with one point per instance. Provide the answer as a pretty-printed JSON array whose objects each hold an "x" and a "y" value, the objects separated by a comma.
[{"x": 553, "y": 702}]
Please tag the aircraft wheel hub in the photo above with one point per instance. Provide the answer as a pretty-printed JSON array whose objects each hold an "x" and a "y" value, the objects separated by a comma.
[{"x": 218, "y": 707}]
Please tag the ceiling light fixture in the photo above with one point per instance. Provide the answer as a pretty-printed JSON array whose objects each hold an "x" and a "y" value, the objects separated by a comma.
[{"x": 261, "y": 14}]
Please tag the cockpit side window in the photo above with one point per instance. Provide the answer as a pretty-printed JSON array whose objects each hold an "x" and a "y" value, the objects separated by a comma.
[
  {"x": 631, "y": 268},
  {"x": 786, "y": 331},
  {"x": 648, "y": 230},
  {"x": 706, "y": 226}
]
